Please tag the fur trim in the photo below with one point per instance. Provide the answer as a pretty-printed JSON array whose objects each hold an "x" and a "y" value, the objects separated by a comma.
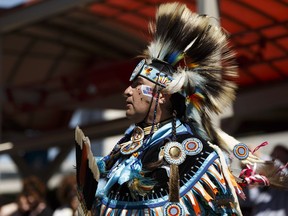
[{"x": 174, "y": 183}]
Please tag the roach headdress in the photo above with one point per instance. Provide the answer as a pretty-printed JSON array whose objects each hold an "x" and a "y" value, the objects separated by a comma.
[{"x": 189, "y": 55}]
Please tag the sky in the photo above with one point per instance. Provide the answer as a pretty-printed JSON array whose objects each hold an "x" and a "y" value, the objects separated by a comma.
[{"x": 6, "y": 4}]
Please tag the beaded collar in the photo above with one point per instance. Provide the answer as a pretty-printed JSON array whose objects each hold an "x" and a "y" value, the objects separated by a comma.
[{"x": 137, "y": 138}]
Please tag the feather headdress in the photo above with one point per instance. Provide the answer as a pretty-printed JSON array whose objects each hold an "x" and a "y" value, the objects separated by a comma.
[
  {"x": 199, "y": 53},
  {"x": 197, "y": 59}
]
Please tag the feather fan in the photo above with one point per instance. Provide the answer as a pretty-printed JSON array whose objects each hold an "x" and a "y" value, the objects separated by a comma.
[{"x": 87, "y": 172}]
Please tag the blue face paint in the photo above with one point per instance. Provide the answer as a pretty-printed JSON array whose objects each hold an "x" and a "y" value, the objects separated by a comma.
[{"x": 147, "y": 90}]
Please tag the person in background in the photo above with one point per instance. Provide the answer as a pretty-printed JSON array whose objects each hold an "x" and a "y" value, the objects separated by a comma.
[
  {"x": 66, "y": 194},
  {"x": 35, "y": 192},
  {"x": 31, "y": 201},
  {"x": 23, "y": 206}
]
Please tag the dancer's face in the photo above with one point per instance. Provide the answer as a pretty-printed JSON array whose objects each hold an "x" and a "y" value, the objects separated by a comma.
[{"x": 140, "y": 100}]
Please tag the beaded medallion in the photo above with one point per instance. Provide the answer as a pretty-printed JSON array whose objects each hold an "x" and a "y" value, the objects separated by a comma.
[
  {"x": 135, "y": 143},
  {"x": 173, "y": 209},
  {"x": 241, "y": 151},
  {"x": 174, "y": 153},
  {"x": 192, "y": 146}
]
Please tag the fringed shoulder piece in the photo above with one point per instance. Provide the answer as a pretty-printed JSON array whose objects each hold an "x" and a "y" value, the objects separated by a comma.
[
  {"x": 256, "y": 171},
  {"x": 227, "y": 176},
  {"x": 228, "y": 143},
  {"x": 87, "y": 172}
]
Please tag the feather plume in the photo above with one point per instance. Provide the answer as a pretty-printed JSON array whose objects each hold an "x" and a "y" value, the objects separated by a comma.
[
  {"x": 140, "y": 185},
  {"x": 228, "y": 142},
  {"x": 269, "y": 170},
  {"x": 199, "y": 52}
]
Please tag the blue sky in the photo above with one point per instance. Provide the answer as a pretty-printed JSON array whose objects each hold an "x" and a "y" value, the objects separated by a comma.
[{"x": 6, "y": 4}]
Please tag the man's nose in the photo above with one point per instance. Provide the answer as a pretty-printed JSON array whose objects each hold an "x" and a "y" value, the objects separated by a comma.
[{"x": 128, "y": 91}]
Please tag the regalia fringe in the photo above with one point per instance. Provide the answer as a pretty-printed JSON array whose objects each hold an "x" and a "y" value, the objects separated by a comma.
[{"x": 174, "y": 183}]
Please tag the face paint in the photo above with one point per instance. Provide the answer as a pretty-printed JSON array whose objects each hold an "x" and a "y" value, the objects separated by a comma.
[
  {"x": 147, "y": 90},
  {"x": 139, "y": 98}
]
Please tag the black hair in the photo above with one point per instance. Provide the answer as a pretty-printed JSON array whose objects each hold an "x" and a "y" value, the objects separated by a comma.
[{"x": 178, "y": 104}]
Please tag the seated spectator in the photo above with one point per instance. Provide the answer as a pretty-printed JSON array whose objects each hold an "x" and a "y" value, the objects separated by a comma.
[
  {"x": 35, "y": 191},
  {"x": 67, "y": 197},
  {"x": 23, "y": 206}
]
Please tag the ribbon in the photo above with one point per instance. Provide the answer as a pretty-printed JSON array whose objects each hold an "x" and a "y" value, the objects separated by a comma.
[
  {"x": 260, "y": 146},
  {"x": 251, "y": 178}
]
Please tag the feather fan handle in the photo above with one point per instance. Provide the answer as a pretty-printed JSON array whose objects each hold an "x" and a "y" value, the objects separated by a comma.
[{"x": 84, "y": 143}]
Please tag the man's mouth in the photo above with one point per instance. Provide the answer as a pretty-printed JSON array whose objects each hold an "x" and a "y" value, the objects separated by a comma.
[{"x": 128, "y": 102}]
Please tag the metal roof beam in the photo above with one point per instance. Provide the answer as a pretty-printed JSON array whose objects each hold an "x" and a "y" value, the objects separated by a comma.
[
  {"x": 37, "y": 12},
  {"x": 209, "y": 7}
]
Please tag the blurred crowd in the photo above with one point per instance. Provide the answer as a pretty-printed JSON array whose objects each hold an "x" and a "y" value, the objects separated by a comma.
[{"x": 34, "y": 199}]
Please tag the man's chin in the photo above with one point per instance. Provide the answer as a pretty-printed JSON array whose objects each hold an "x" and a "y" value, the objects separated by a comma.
[
  {"x": 133, "y": 118},
  {"x": 129, "y": 115}
]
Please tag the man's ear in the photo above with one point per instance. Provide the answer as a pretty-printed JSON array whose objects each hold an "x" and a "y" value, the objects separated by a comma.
[{"x": 163, "y": 98}]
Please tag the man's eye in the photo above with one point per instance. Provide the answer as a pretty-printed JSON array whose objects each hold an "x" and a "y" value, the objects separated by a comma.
[{"x": 136, "y": 84}]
